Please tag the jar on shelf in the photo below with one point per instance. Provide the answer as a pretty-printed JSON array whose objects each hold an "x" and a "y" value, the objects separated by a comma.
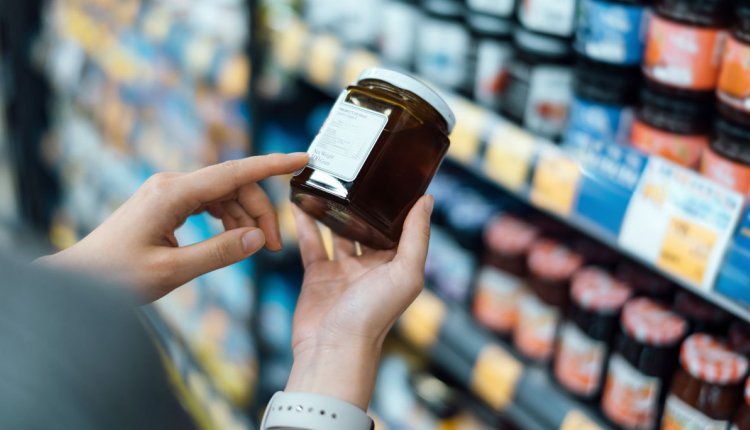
[
  {"x": 500, "y": 284},
  {"x": 675, "y": 127},
  {"x": 493, "y": 48},
  {"x": 644, "y": 282},
  {"x": 443, "y": 45},
  {"x": 733, "y": 89},
  {"x": 701, "y": 315},
  {"x": 741, "y": 419},
  {"x": 612, "y": 31},
  {"x": 539, "y": 87},
  {"x": 374, "y": 157},
  {"x": 551, "y": 266},
  {"x": 727, "y": 159},
  {"x": 640, "y": 368},
  {"x": 397, "y": 39},
  {"x": 685, "y": 43},
  {"x": 603, "y": 103},
  {"x": 552, "y": 17},
  {"x": 707, "y": 387},
  {"x": 587, "y": 335}
]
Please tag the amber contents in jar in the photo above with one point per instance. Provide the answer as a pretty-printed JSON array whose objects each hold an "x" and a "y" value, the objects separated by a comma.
[
  {"x": 707, "y": 388},
  {"x": 374, "y": 157}
]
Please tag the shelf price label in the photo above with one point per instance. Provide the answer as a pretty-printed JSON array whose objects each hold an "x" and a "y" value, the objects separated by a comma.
[
  {"x": 322, "y": 60},
  {"x": 421, "y": 322},
  {"x": 356, "y": 62},
  {"x": 577, "y": 420},
  {"x": 680, "y": 221},
  {"x": 495, "y": 376},
  {"x": 510, "y": 152},
  {"x": 466, "y": 136},
  {"x": 555, "y": 182}
]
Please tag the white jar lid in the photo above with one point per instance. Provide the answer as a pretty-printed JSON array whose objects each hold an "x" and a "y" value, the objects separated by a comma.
[{"x": 414, "y": 85}]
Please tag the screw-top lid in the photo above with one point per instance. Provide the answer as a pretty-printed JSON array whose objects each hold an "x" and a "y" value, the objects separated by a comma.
[
  {"x": 594, "y": 289},
  {"x": 652, "y": 323},
  {"x": 508, "y": 235},
  {"x": 413, "y": 85},
  {"x": 553, "y": 261},
  {"x": 706, "y": 358}
]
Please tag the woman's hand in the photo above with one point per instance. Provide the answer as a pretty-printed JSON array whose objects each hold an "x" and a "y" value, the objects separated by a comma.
[
  {"x": 347, "y": 306},
  {"x": 136, "y": 244}
]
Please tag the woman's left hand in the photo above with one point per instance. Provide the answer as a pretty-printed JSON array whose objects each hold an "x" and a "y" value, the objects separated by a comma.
[{"x": 137, "y": 244}]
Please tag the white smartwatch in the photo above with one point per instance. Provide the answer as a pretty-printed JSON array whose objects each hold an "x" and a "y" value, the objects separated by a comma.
[{"x": 307, "y": 411}]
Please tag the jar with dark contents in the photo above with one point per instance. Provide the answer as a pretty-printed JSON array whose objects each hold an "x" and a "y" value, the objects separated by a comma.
[
  {"x": 551, "y": 17},
  {"x": 612, "y": 31},
  {"x": 493, "y": 48},
  {"x": 685, "y": 43},
  {"x": 374, "y": 157},
  {"x": 677, "y": 128},
  {"x": 742, "y": 417},
  {"x": 641, "y": 366},
  {"x": 587, "y": 335},
  {"x": 701, "y": 315},
  {"x": 644, "y": 282},
  {"x": 500, "y": 284},
  {"x": 443, "y": 44},
  {"x": 539, "y": 87},
  {"x": 707, "y": 387},
  {"x": 727, "y": 160},
  {"x": 551, "y": 266},
  {"x": 733, "y": 89}
]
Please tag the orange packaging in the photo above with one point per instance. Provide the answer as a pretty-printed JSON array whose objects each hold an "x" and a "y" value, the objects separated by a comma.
[
  {"x": 685, "y": 150},
  {"x": 734, "y": 81},
  {"x": 536, "y": 329},
  {"x": 726, "y": 172},
  {"x": 683, "y": 56}
]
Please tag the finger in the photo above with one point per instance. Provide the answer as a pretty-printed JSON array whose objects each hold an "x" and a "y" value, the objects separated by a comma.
[
  {"x": 219, "y": 251},
  {"x": 411, "y": 253},
  {"x": 218, "y": 181},
  {"x": 256, "y": 203},
  {"x": 217, "y": 211},
  {"x": 310, "y": 241},
  {"x": 343, "y": 248},
  {"x": 233, "y": 208}
]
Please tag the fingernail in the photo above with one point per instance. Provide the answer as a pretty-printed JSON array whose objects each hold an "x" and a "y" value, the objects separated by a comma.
[
  {"x": 429, "y": 204},
  {"x": 253, "y": 240}
]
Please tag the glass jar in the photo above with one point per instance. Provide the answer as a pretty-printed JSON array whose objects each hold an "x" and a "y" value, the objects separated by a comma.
[
  {"x": 674, "y": 127},
  {"x": 727, "y": 160},
  {"x": 500, "y": 284},
  {"x": 612, "y": 31},
  {"x": 733, "y": 89},
  {"x": 552, "y": 17},
  {"x": 685, "y": 43},
  {"x": 642, "y": 364},
  {"x": 374, "y": 157},
  {"x": 492, "y": 41},
  {"x": 587, "y": 335},
  {"x": 707, "y": 387},
  {"x": 539, "y": 87},
  {"x": 644, "y": 282},
  {"x": 397, "y": 38},
  {"x": 443, "y": 45},
  {"x": 742, "y": 417},
  {"x": 701, "y": 315},
  {"x": 551, "y": 265}
]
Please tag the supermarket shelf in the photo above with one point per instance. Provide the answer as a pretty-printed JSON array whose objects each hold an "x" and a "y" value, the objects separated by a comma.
[
  {"x": 607, "y": 192},
  {"x": 490, "y": 370}
]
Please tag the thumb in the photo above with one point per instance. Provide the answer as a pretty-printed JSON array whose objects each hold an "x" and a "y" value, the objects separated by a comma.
[{"x": 219, "y": 251}]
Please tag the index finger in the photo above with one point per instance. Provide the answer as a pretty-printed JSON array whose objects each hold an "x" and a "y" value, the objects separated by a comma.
[{"x": 217, "y": 181}]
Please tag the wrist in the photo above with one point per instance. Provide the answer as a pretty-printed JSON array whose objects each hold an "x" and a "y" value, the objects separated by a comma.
[{"x": 344, "y": 372}]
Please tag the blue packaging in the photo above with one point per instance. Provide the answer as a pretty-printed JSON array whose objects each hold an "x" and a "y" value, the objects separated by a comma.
[
  {"x": 612, "y": 32},
  {"x": 591, "y": 120}
]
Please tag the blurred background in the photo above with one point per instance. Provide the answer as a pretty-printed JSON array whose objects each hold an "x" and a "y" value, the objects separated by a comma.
[{"x": 616, "y": 132}]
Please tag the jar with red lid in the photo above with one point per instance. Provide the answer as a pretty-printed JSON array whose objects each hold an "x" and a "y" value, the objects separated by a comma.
[
  {"x": 742, "y": 417},
  {"x": 701, "y": 315},
  {"x": 685, "y": 43},
  {"x": 588, "y": 333},
  {"x": 645, "y": 282},
  {"x": 733, "y": 89},
  {"x": 640, "y": 368},
  {"x": 551, "y": 266},
  {"x": 727, "y": 160},
  {"x": 501, "y": 283},
  {"x": 707, "y": 387}
]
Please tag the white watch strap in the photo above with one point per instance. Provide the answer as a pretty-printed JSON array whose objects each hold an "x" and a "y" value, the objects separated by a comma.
[{"x": 309, "y": 411}]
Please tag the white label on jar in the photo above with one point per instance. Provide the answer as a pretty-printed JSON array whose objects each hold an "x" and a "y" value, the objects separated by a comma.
[
  {"x": 678, "y": 415},
  {"x": 549, "y": 97},
  {"x": 630, "y": 398},
  {"x": 492, "y": 59},
  {"x": 501, "y": 8},
  {"x": 346, "y": 139},
  {"x": 579, "y": 360},
  {"x": 548, "y": 16},
  {"x": 442, "y": 56},
  {"x": 398, "y": 32}
]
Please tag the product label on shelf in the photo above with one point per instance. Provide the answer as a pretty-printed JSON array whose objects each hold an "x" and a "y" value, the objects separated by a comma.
[
  {"x": 554, "y": 17},
  {"x": 687, "y": 219},
  {"x": 442, "y": 54},
  {"x": 495, "y": 376},
  {"x": 734, "y": 81},
  {"x": 421, "y": 321},
  {"x": 467, "y": 134},
  {"x": 612, "y": 32},
  {"x": 611, "y": 174},
  {"x": 502, "y": 8},
  {"x": 683, "y": 56},
  {"x": 346, "y": 139},
  {"x": 579, "y": 361},
  {"x": 550, "y": 93},
  {"x": 555, "y": 181},
  {"x": 630, "y": 398},
  {"x": 685, "y": 150},
  {"x": 678, "y": 415},
  {"x": 577, "y": 420},
  {"x": 509, "y": 155},
  {"x": 535, "y": 333},
  {"x": 496, "y": 299}
]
